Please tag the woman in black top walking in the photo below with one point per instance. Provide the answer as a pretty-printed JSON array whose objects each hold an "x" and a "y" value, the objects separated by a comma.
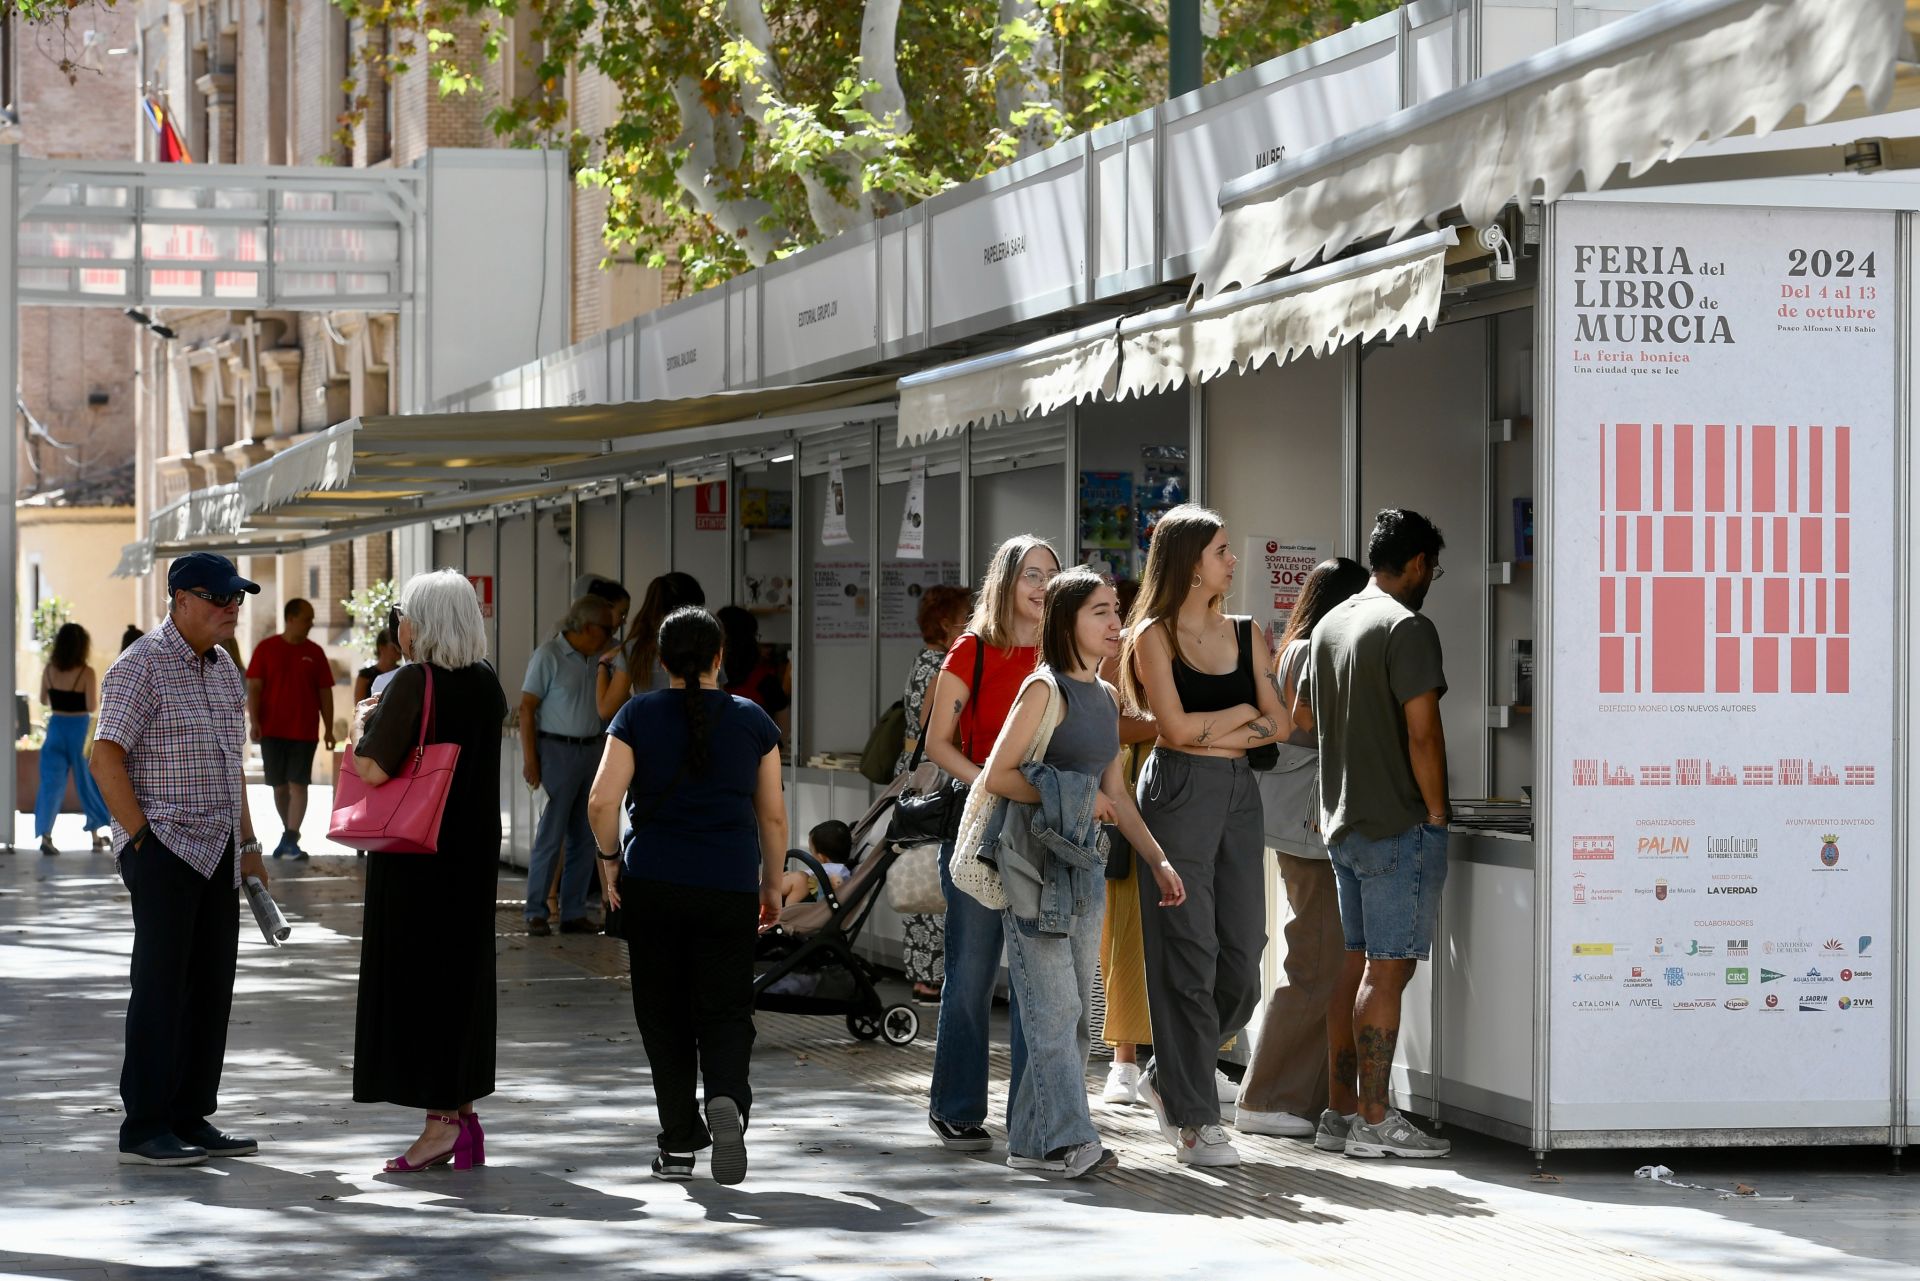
[
  {"x": 1191, "y": 669},
  {"x": 699, "y": 770}
]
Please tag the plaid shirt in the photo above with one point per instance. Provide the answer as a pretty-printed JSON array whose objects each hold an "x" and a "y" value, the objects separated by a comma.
[{"x": 182, "y": 719}]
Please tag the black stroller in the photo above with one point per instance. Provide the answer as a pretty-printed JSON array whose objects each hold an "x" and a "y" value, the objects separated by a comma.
[{"x": 805, "y": 964}]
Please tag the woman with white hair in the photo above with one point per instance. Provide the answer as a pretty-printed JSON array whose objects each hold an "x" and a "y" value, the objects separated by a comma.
[{"x": 423, "y": 1037}]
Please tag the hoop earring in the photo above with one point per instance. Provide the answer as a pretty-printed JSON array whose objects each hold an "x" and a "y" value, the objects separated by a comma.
[{"x": 1196, "y": 580}]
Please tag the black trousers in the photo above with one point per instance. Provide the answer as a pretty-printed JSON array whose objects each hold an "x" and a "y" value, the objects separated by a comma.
[
  {"x": 186, "y": 934},
  {"x": 691, "y": 951}
]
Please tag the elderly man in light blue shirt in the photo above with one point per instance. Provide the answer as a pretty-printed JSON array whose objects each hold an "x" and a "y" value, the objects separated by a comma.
[{"x": 560, "y": 741}]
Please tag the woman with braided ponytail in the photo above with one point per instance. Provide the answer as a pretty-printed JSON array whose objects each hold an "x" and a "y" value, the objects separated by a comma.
[{"x": 699, "y": 772}]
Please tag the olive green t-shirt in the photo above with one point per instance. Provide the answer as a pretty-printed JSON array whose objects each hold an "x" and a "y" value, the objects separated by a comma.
[{"x": 1371, "y": 655}]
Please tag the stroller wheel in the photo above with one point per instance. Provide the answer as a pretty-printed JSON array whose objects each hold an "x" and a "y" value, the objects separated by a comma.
[
  {"x": 864, "y": 1026},
  {"x": 900, "y": 1025}
]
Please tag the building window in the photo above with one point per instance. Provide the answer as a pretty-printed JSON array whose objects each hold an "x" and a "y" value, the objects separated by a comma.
[{"x": 313, "y": 582}]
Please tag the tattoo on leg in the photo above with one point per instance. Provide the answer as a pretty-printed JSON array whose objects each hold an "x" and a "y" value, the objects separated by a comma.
[
  {"x": 1346, "y": 1064},
  {"x": 1376, "y": 1061}
]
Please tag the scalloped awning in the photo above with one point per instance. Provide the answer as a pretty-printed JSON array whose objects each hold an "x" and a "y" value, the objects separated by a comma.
[{"x": 1634, "y": 93}]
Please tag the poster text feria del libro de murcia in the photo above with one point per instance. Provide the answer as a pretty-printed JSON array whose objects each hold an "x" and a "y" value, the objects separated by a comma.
[{"x": 1725, "y": 409}]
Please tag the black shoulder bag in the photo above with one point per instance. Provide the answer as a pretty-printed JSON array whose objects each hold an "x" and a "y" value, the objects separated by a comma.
[{"x": 921, "y": 818}]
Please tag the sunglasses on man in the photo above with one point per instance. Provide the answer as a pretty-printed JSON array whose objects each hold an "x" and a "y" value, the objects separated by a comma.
[{"x": 219, "y": 600}]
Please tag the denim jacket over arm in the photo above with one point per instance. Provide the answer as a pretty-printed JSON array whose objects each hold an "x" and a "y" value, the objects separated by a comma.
[{"x": 1051, "y": 856}]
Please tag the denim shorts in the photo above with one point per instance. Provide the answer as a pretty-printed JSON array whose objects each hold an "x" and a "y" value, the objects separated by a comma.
[{"x": 1389, "y": 891}]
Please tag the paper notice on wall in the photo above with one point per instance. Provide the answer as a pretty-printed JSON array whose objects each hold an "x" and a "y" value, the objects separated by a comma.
[
  {"x": 840, "y": 601},
  {"x": 1722, "y": 770},
  {"x": 1273, "y": 571},
  {"x": 902, "y": 584},
  {"x": 913, "y": 517},
  {"x": 833, "y": 526}
]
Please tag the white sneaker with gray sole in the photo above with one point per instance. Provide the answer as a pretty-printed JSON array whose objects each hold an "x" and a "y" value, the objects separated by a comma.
[
  {"x": 1284, "y": 1124},
  {"x": 1206, "y": 1145},
  {"x": 1394, "y": 1136},
  {"x": 1123, "y": 1085}
]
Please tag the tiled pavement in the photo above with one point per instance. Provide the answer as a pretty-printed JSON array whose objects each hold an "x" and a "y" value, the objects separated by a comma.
[{"x": 845, "y": 1180}]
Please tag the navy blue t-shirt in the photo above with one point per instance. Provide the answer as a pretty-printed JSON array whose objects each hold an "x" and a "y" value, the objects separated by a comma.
[{"x": 704, "y": 833}]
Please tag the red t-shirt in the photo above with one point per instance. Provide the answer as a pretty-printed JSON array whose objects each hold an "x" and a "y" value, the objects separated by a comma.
[
  {"x": 291, "y": 678},
  {"x": 1002, "y": 672}
]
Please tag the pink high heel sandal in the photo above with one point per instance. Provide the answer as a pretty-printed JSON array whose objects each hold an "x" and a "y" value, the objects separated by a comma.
[
  {"x": 461, "y": 1153},
  {"x": 471, "y": 1122}
]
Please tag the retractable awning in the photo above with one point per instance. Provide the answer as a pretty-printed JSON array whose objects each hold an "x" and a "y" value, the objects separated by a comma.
[
  {"x": 1635, "y": 93},
  {"x": 1374, "y": 294},
  {"x": 367, "y": 475}
]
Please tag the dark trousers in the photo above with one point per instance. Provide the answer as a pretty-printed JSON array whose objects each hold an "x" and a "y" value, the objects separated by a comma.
[
  {"x": 186, "y": 933},
  {"x": 691, "y": 951}
]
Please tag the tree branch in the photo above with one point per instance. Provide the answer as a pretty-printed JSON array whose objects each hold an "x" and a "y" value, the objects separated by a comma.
[
  {"x": 879, "y": 64},
  {"x": 703, "y": 137},
  {"x": 1024, "y": 63}
]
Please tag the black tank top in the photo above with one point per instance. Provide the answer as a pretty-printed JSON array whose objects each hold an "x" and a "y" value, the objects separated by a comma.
[
  {"x": 1205, "y": 692},
  {"x": 66, "y": 700}
]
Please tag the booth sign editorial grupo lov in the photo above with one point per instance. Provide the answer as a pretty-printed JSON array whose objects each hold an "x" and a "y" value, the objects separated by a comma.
[{"x": 1725, "y": 409}]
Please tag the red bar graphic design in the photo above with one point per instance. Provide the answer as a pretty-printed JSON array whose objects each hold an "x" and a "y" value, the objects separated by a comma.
[
  {"x": 1733, "y": 544},
  {"x": 1633, "y": 605},
  {"x": 1774, "y": 610},
  {"x": 1726, "y": 665},
  {"x": 1816, "y": 469},
  {"x": 1708, "y": 533},
  {"x": 1722, "y": 605},
  {"x": 1842, "y": 549},
  {"x": 1763, "y": 464},
  {"x": 1716, "y": 467},
  {"x": 1779, "y": 544},
  {"x": 1820, "y": 605},
  {"x": 1679, "y": 635},
  {"x": 1759, "y": 545},
  {"x": 1746, "y": 605},
  {"x": 1643, "y": 536},
  {"x": 1804, "y": 661},
  {"x": 1739, "y": 469},
  {"x": 1603, "y": 470},
  {"x": 1810, "y": 527},
  {"x": 1613, "y": 659},
  {"x": 1606, "y": 604},
  {"x": 1838, "y": 681},
  {"x": 1793, "y": 469},
  {"x": 1766, "y": 665},
  {"x": 1626, "y": 463},
  {"x": 1659, "y": 467},
  {"x": 1683, "y": 467},
  {"x": 1842, "y": 594},
  {"x": 1639, "y": 669},
  {"x": 1619, "y": 542},
  {"x": 1676, "y": 538},
  {"x": 1842, "y": 469}
]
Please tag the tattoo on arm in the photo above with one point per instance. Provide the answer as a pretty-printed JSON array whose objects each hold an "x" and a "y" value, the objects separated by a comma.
[
  {"x": 1262, "y": 727},
  {"x": 1206, "y": 734},
  {"x": 1280, "y": 694},
  {"x": 958, "y": 703},
  {"x": 1376, "y": 1061}
]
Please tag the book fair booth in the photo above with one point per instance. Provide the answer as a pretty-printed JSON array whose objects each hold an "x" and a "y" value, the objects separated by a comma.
[{"x": 1464, "y": 259}]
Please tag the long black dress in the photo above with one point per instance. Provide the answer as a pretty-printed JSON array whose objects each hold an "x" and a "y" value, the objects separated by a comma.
[{"x": 423, "y": 1037}]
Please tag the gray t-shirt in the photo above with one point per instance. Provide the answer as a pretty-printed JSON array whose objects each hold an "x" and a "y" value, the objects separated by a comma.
[{"x": 1371, "y": 656}]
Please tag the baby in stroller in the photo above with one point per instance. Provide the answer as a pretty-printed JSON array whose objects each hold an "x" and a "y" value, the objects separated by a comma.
[{"x": 831, "y": 843}]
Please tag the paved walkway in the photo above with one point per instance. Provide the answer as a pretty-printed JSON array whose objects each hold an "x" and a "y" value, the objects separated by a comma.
[{"x": 845, "y": 1180}]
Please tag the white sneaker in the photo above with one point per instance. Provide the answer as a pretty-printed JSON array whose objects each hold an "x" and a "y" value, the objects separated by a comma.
[
  {"x": 1123, "y": 1085},
  {"x": 1394, "y": 1136},
  {"x": 1151, "y": 1097},
  {"x": 1224, "y": 1088},
  {"x": 1044, "y": 1166},
  {"x": 1206, "y": 1145},
  {"x": 1284, "y": 1124}
]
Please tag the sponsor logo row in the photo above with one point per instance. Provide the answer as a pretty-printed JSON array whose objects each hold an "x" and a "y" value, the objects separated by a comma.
[
  {"x": 1833, "y": 948},
  {"x": 1772, "y": 1001},
  {"x": 1825, "y": 856}
]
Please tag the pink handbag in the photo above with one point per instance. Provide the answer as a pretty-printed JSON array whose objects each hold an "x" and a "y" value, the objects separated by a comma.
[{"x": 402, "y": 815}]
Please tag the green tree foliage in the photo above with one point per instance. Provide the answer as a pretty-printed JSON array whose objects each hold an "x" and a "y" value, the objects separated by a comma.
[{"x": 745, "y": 130}]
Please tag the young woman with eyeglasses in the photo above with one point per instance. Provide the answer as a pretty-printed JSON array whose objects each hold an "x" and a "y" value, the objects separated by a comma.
[{"x": 1003, "y": 636}]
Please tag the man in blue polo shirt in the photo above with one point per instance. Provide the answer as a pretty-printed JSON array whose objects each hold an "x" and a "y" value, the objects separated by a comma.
[{"x": 560, "y": 741}]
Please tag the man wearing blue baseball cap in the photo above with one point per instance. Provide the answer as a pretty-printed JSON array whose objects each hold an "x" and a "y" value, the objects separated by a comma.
[{"x": 169, "y": 756}]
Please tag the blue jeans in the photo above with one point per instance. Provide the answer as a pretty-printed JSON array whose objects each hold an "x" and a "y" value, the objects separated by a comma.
[
  {"x": 1053, "y": 981},
  {"x": 1389, "y": 891},
  {"x": 66, "y": 736},
  {"x": 974, "y": 936},
  {"x": 566, "y": 775}
]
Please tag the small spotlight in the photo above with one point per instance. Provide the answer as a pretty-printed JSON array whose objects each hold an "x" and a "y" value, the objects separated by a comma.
[
  {"x": 162, "y": 331},
  {"x": 138, "y": 317}
]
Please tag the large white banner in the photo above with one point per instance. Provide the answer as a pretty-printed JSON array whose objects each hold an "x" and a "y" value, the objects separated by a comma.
[{"x": 1725, "y": 409}]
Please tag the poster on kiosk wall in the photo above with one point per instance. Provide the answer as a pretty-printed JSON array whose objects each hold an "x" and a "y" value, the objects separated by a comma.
[{"x": 1725, "y": 409}]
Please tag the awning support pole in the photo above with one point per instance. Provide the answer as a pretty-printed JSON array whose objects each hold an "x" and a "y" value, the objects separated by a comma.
[{"x": 9, "y": 457}]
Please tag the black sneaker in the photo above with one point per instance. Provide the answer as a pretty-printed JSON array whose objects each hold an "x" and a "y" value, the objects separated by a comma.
[
  {"x": 578, "y": 925},
  {"x": 673, "y": 1167},
  {"x": 538, "y": 928},
  {"x": 216, "y": 1143},
  {"x": 961, "y": 1138},
  {"x": 728, "y": 1160},
  {"x": 165, "y": 1149}
]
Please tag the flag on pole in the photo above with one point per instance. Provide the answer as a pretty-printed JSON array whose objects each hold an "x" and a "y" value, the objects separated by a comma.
[{"x": 171, "y": 149}]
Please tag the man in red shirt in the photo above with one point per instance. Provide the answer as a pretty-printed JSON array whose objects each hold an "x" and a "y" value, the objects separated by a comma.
[{"x": 289, "y": 707}]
